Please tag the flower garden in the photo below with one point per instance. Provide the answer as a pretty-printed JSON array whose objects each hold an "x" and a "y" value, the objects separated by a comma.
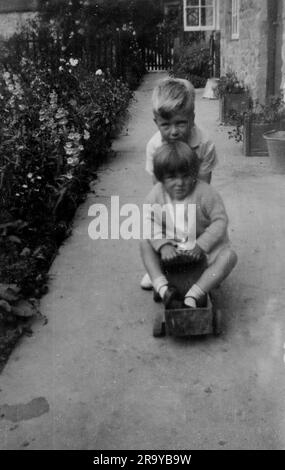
[{"x": 60, "y": 108}]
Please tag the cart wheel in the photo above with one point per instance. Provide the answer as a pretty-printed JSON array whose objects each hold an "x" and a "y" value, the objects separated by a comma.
[
  {"x": 217, "y": 322},
  {"x": 159, "y": 326}
]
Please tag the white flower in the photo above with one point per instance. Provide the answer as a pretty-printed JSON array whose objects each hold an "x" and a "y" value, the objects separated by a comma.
[
  {"x": 60, "y": 68},
  {"x": 86, "y": 135},
  {"x": 60, "y": 113},
  {"x": 98, "y": 72},
  {"x": 24, "y": 186},
  {"x": 24, "y": 61},
  {"x": 75, "y": 161},
  {"x": 73, "y": 62},
  {"x": 30, "y": 175},
  {"x": 69, "y": 151},
  {"x": 6, "y": 75}
]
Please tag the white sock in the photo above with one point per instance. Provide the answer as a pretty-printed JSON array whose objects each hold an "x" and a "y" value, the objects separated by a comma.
[
  {"x": 160, "y": 284},
  {"x": 190, "y": 302},
  {"x": 195, "y": 293}
]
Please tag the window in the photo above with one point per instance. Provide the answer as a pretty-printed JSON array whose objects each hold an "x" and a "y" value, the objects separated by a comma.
[
  {"x": 200, "y": 15},
  {"x": 171, "y": 8},
  {"x": 235, "y": 19}
]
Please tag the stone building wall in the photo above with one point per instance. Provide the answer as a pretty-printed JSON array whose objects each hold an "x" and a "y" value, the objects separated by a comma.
[
  {"x": 283, "y": 50},
  {"x": 247, "y": 56}
]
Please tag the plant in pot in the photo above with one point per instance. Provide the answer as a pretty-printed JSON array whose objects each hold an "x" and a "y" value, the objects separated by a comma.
[
  {"x": 249, "y": 126},
  {"x": 234, "y": 97}
]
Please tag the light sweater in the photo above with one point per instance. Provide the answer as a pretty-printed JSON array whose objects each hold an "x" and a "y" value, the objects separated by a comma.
[{"x": 211, "y": 217}]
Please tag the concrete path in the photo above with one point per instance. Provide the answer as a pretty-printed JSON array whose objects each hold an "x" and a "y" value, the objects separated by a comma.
[{"x": 95, "y": 378}]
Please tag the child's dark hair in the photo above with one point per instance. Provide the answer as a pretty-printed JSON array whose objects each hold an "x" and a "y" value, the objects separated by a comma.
[{"x": 175, "y": 157}]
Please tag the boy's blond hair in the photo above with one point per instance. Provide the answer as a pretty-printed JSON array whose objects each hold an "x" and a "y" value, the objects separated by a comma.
[{"x": 172, "y": 96}]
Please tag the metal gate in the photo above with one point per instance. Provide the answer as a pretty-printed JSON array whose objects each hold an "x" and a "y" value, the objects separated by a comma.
[{"x": 157, "y": 51}]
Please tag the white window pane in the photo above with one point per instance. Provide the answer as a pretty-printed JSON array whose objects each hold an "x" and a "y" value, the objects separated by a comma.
[
  {"x": 207, "y": 3},
  {"x": 192, "y": 3},
  {"x": 207, "y": 16},
  {"x": 192, "y": 17},
  {"x": 200, "y": 14},
  {"x": 235, "y": 19}
]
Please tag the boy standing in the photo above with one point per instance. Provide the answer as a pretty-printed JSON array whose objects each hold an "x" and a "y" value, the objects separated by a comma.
[{"x": 173, "y": 103}]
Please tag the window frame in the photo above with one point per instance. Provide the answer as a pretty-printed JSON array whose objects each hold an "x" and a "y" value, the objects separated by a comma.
[
  {"x": 171, "y": 4},
  {"x": 214, "y": 27},
  {"x": 235, "y": 19}
]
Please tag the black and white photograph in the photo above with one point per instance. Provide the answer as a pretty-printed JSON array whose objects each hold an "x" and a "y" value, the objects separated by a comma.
[{"x": 142, "y": 228}]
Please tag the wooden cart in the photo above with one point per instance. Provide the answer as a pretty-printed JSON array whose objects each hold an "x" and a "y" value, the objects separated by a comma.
[{"x": 187, "y": 321}]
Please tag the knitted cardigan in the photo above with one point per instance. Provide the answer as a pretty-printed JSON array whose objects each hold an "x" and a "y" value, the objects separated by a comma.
[{"x": 211, "y": 217}]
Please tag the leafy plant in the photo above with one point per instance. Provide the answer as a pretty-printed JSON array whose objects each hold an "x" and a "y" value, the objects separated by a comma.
[
  {"x": 229, "y": 83},
  {"x": 272, "y": 111},
  {"x": 56, "y": 126},
  {"x": 193, "y": 63}
]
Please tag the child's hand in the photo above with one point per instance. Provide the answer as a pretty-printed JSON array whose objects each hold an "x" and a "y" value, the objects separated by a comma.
[
  {"x": 196, "y": 254},
  {"x": 168, "y": 252}
]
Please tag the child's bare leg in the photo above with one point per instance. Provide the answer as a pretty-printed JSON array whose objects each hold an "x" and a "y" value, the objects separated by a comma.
[
  {"x": 212, "y": 276},
  {"x": 218, "y": 270},
  {"x": 151, "y": 260}
]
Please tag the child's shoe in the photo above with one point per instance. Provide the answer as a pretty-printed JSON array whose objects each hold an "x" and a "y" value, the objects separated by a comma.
[
  {"x": 156, "y": 296},
  {"x": 146, "y": 283},
  {"x": 202, "y": 302},
  {"x": 172, "y": 298}
]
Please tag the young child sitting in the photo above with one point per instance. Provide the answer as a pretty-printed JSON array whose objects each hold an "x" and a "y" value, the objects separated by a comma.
[
  {"x": 173, "y": 104},
  {"x": 176, "y": 168}
]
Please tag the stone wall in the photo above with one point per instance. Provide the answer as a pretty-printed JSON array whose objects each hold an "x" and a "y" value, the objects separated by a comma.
[
  {"x": 247, "y": 56},
  {"x": 283, "y": 50}
]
